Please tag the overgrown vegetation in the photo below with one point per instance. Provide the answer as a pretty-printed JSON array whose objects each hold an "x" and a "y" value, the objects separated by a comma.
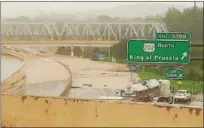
[
  {"x": 190, "y": 20},
  {"x": 64, "y": 50}
]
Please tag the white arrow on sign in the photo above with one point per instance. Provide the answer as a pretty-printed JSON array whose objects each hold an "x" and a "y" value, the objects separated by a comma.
[{"x": 185, "y": 54}]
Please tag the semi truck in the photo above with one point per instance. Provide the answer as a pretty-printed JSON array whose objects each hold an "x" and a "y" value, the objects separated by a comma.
[
  {"x": 165, "y": 92},
  {"x": 141, "y": 92}
]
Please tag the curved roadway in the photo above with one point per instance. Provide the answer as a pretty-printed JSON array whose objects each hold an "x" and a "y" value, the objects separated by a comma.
[
  {"x": 44, "y": 77},
  {"x": 49, "y": 78}
]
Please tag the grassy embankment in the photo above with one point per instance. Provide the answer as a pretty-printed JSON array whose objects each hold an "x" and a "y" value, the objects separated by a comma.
[
  {"x": 189, "y": 85},
  {"x": 186, "y": 84}
]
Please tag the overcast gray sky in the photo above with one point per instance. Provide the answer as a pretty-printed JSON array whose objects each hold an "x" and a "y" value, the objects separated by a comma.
[{"x": 14, "y": 9}]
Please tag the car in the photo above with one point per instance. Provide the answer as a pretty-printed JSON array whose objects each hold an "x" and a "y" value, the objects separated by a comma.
[{"x": 182, "y": 95}]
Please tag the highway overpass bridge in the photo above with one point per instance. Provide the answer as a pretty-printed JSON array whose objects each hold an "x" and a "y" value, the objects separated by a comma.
[{"x": 77, "y": 34}]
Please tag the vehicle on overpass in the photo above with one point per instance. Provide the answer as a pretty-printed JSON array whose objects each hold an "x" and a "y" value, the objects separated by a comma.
[
  {"x": 166, "y": 94},
  {"x": 143, "y": 91},
  {"x": 182, "y": 96}
]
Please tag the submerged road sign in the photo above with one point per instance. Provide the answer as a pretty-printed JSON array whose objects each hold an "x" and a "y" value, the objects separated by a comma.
[
  {"x": 148, "y": 51},
  {"x": 173, "y": 73},
  {"x": 173, "y": 36}
]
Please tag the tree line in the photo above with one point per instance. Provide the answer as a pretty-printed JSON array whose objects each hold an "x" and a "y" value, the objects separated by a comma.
[{"x": 188, "y": 20}]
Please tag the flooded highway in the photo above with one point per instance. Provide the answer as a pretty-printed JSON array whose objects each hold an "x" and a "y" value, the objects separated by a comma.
[
  {"x": 9, "y": 64},
  {"x": 90, "y": 80},
  {"x": 45, "y": 77},
  {"x": 50, "y": 88},
  {"x": 92, "y": 93},
  {"x": 40, "y": 81}
]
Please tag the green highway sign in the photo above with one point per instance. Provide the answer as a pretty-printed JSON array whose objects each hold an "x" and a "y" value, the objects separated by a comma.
[
  {"x": 173, "y": 36},
  {"x": 173, "y": 73},
  {"x": 148, "y": 51}
]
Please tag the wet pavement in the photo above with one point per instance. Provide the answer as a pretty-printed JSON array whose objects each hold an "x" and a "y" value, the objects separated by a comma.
[
  {"x": 92, "y": 93},
  {"x": 98, "y": 74},
  {"x": 45, "y": 77},
  {"x": 94, "y": 79},
  {"x": 40, "y": 70},
  {"x": 51, "y": 88},
  {"x": 196, "y": 103},
  {"x": 105, "y": 78},
  {"x": 98, "y": 79}
]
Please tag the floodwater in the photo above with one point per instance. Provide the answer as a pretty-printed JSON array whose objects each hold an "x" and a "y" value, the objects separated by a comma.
[
  {"x": 92, "y": 93},
  {"x": 50, "y": 88},
  {"x": 197, "y": 103},
  {"x": 9, "y": 64},
  {"x": 45, "y": 77}
]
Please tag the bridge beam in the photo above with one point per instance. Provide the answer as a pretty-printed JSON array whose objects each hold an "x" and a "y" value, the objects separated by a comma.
[
  {"x": 72, "y": 51},
  {"x": 82, "y": 52},
  {"x": 109, "y": 53}
]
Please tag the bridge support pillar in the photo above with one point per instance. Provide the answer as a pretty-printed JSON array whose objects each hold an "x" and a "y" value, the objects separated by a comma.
[
  {"x": 109, "y": 53},
  {"x": 72, "y": 51},
  {"x": 82, "y": 52}
]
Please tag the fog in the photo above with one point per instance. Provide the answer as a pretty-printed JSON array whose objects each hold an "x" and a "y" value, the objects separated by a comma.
[{"x": 31, "y": 9}]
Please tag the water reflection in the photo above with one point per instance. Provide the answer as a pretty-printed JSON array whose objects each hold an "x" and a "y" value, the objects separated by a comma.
[{"x": 9, "y": 64}]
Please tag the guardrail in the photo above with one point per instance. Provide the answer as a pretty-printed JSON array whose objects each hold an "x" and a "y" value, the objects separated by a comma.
[{"x": 17, "y": 77}]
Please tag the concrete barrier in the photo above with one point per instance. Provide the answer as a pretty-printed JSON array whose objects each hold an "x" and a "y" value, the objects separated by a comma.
[
  {"x": 69, "y": 79},
  {"x": 16, "y": 78},
  {"x": 31, "y": 111},
  {"x": 69, "y": 83}
]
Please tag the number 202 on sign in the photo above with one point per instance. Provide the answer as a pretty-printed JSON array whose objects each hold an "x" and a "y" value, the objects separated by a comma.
[{"x": 149, "y": 47}]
